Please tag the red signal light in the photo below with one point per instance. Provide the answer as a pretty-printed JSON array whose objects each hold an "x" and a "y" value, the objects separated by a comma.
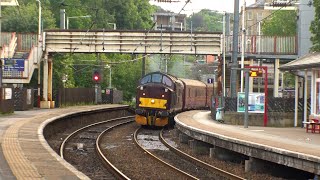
[{"x": 96, "y": 76}]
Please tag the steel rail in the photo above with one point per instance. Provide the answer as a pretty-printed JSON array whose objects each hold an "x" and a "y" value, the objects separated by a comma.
[
  {"x": 62, "y": 147},
  {"x": 188, "y": 176},
  {"x": 197, "y": 161},
  {"x": 115, "y": 171}
]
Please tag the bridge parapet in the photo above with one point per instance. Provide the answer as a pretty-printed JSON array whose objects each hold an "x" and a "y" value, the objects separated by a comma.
[{"x": 131, "y": 42}]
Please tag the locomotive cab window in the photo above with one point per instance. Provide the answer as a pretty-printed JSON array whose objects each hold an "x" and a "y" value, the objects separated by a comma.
[
  {"x": 156, "y": 78},
  {"x": 146, "y": 79},
  {"x": 166, "y": 81}
]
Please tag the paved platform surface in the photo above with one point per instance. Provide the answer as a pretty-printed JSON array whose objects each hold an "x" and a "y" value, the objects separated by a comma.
[
  {"x": 24, "y": 153},
  {"x": 294, "y": 139}
]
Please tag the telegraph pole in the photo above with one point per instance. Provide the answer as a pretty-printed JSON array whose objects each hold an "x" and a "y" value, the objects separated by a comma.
[
  {"x": 1, "y": 47},
  {"x": 234, "y": 57}
]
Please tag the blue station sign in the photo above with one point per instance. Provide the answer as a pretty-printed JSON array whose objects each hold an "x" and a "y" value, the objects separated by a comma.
[{"x": 13, "y": 64}]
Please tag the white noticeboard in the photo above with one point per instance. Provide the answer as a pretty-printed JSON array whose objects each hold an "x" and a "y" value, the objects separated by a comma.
[
  {"x": 255, "y": 102},
  {"x": 7, "y": 93}
]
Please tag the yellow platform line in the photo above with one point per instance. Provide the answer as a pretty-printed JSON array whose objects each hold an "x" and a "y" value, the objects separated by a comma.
[{"x": 20, "y": 166}]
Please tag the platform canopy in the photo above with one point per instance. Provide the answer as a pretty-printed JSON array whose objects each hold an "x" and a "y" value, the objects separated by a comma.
[{"x": 311, "y": 60}]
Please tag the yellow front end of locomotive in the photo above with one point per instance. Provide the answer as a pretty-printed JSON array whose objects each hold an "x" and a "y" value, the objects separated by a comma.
[
  {"x": 141, "y": 120},
  {"x": 153, "y": 103},
  {"x": 161, "y": 121},
  {"x": 151, "y": 120}
]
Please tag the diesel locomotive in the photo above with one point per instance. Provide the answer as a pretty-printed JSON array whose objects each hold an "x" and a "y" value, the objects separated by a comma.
[{"x": 160, "y": 96}]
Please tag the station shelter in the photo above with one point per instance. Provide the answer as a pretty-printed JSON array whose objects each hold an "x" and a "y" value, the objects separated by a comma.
[{"x": 307, "y": 73}]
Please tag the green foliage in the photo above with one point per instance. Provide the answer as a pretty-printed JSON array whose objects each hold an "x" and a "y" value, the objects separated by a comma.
[
  {"x": 315, "y": 28},
  {"x": 281, "y": 23},
  {"x": 125, "y": 77},
  {"x": 206, "y": 20},
  {"x": 24, "y": 18},
  {"x": 289, "y": 80},
  {"x": 127, "y": 14}
]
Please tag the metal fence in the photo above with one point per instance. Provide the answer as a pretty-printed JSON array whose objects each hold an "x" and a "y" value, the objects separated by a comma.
[
  {"x": 74, "y": 96},
  {"x": 275, "y": 104},
  {"x": 23, "y": 99},
  {"x": 112, "y": 96}
]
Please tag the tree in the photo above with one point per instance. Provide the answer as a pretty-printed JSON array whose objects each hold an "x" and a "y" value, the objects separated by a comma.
[
  {"x": 24, "y": 18},
  {"x": 127, "y": 14},
  {"x": 206, "y": 20},
  {"x": 315, "y": 28},
  {"x": 281, "y": 23}
]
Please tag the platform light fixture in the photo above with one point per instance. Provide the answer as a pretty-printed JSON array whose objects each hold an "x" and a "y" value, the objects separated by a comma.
[{"x": 74, "y": 17}]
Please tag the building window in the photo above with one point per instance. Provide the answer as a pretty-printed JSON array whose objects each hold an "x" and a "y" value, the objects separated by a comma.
[
  {"x": 259, "y": 16},
  {"x": 249, "y": 15}
]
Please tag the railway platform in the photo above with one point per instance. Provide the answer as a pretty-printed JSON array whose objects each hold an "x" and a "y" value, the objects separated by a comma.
[
  {"x": 24, "y": 153},
  {"x": 292, "y": 147}
]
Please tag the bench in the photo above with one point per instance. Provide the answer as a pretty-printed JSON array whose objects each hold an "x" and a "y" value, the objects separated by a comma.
[{"x": 313, "y": 124}]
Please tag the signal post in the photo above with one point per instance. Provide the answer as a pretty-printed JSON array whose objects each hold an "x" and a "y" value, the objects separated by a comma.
[{"x": 97, "y": 78}]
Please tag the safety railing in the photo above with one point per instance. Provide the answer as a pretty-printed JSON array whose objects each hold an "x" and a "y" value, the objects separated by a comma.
[{"x": 276, "y": 45}]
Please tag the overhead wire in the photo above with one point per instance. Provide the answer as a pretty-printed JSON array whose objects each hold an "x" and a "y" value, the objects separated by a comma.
[{"x": 154, "y": 23}]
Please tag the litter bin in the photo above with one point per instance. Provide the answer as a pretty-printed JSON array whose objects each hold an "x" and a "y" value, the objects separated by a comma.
[{"x": 219, "y": 114}]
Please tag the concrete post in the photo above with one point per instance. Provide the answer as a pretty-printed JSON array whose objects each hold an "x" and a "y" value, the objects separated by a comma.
[
  {"x": 251, "y": 78},
  {"x": 276, "y": 78},
  {"x": 50, "y": 75},
  {"x": 234, "y": 56},
  {"x": 62, "y": 19},
  {"x": 246, "y": 100},
  {"x": 305, "y": 96},
  {"x": 296, "y": 101}
]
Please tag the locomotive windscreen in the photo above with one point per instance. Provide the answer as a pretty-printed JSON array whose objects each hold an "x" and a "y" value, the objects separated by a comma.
[{"x": 157, "y": 78}]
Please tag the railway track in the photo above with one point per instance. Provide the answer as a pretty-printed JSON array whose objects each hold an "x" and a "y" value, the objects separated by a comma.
[
  {"x": 176, "y": 159},
  {"x": 78, "y": 148},
  {"x": 219, "y": 172}
]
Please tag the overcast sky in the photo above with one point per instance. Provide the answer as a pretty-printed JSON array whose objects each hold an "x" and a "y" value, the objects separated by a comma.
[{"x": 197, "y": 5}]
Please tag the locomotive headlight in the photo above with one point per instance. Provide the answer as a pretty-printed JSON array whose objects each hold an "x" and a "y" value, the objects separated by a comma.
[
  {"x": 141, "y": 88},
  {"x": 143, "y": 94},
  {"x": 165, "y": 90},
  {"x": 162, "y": 95},
  {"x": 152, "y": 101}
]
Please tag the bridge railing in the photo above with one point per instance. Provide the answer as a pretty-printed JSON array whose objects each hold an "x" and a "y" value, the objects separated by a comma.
[{"x": 276, "y": 45}]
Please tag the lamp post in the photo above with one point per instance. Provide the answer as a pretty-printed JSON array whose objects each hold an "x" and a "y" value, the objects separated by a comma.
[
  {"x": 0, "y": 46},
  {"x": 242, "y": 44},
  {"x": 114, "y": 25},
  {"x": 74, "y": 17},
  {"x": 38, "y": 60},
  {"x": 109, "y": 67}
]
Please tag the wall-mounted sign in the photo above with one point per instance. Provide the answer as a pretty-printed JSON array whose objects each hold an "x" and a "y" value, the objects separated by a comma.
[
  {"x": 255, "y": 102},
  {"x": 13, "y": 64},
  {"x": 7, "y": 93}
]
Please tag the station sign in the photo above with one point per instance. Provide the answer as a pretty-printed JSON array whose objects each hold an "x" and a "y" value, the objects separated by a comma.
[
  {"x": 13, "y": 64},
  {"x": 255, "y": 73}
]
